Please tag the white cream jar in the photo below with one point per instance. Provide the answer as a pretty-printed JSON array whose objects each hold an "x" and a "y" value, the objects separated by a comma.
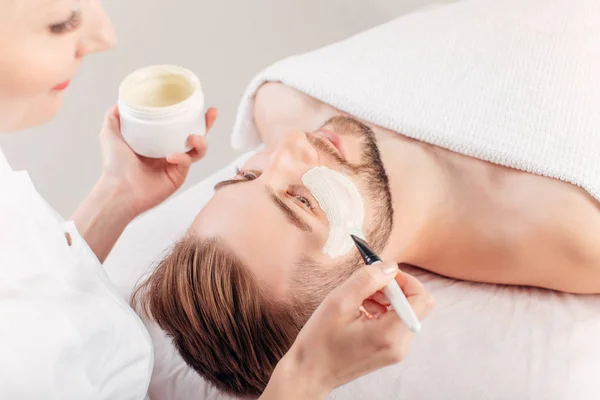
[{"x": 160, "y": 107}]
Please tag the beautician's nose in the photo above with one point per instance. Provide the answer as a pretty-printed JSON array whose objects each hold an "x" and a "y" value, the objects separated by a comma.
[
  {"x": 97, "y": 33},
  {"x": 291, "y": 159}
]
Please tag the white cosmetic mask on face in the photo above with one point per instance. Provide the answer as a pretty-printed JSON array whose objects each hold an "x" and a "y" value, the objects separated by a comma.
[{"x": 343, "y": 205}]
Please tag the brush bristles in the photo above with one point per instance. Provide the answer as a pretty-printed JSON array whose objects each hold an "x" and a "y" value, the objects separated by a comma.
[{"x": 353, "y": 230}]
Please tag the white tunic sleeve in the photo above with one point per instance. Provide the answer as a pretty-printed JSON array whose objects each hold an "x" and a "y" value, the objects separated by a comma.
[{"x": 65, "y": 333}]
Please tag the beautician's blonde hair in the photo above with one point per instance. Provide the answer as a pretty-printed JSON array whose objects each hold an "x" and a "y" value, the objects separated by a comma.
[{"x": 220, "y": 321}]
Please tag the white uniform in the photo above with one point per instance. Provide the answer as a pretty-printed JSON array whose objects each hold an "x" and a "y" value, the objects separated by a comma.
[{"x": 65, "y": 333}]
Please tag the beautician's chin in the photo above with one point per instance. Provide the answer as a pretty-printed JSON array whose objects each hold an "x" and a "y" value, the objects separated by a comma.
[
  {"x": 52, "y": 106},
  {"x": 41, "y": 110},
  {"x": 57, "y": 94}
]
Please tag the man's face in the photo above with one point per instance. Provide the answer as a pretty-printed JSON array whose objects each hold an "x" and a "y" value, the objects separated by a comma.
[{"x": 275, "y": 226}]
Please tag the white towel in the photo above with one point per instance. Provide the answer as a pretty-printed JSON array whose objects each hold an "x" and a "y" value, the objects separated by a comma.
[{"x": 513, "y": 82}]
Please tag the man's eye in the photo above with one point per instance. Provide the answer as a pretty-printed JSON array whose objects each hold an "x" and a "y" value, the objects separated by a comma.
[
  {"x": 248, "y": 175},
  {"x": 304, "y": 201}
]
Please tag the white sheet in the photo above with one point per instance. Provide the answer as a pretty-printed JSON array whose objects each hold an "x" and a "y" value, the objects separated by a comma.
[
  {"x": 482, "y": 342},
  {"x": 486, "y": 342}
]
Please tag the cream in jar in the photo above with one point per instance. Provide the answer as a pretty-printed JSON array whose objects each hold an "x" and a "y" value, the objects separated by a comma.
[{"x": 160, "y": 107}]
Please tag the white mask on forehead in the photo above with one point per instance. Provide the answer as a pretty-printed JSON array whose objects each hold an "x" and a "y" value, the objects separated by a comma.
[{"x": 343, "y": 205}]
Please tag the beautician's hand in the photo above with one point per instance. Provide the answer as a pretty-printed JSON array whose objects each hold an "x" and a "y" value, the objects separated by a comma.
[
  {"x": 147, "y": 182},
  {"x": 340, "y": 343}
]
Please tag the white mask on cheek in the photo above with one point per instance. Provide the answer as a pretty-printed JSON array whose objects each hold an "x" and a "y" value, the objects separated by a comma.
[{"x": 343, "y": 205}]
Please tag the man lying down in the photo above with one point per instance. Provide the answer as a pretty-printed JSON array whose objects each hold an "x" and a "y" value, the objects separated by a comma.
[{"x": 234, "y": 293}]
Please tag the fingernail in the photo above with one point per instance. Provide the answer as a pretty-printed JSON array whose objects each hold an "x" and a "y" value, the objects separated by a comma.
[{"x": 389, "y": 269}]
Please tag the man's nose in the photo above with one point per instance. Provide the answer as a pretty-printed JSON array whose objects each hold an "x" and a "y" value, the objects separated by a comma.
[{"x": 292, "y": 158}]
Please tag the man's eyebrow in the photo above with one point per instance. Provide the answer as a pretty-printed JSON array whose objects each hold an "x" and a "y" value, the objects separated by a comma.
[
  {"x": 229, "y": 182},
  {"x": 290, "y": 214}
]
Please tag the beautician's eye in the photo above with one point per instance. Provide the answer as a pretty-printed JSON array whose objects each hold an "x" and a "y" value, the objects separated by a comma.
[{"x": 67, "y": 26}]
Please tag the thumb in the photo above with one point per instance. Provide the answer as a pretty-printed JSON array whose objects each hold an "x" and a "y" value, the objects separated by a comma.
[
  {"x": 112, "y": 122},
  {"x": 367, "y": 281}
]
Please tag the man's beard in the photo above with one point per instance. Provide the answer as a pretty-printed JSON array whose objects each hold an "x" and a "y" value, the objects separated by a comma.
[
  {"x": 313, "y": 282},
  {"x": 371, "y": 171}
]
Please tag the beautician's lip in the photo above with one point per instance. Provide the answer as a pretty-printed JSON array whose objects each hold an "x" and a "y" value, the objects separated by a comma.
[
  {"x": 335, "y": 140},
  {"x": 61, "y": 86}
]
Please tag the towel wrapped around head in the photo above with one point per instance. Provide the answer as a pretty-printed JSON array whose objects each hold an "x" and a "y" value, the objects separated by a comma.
[{"x": 513, "y": 82}]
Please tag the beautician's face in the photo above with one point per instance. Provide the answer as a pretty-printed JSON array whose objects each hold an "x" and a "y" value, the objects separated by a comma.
[
  {"x": 272, "y": 222},
  {"x": 42, "y": 44}
]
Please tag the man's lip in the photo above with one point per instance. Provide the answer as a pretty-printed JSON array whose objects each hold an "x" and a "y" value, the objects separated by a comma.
[
  {"x": 62, "y": 86},
  {"x": 335, "y": 140}
]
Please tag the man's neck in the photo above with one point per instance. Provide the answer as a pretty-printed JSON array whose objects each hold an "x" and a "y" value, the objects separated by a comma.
[{"x": 421, "y": 199}]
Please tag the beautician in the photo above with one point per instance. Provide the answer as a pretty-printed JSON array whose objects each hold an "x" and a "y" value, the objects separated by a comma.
[{"x": 65, "y": 333}]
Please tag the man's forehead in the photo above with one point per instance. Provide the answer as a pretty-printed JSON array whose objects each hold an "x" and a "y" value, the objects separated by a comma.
[
  {"x": 228, "y": 204},
  {"x": 255, "y": 234},
  {"x": 237, "y": 210}
]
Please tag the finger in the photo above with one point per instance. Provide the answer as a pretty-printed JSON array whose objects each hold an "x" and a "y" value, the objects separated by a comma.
[
  {"x": 197, "y": 141},
  {"x": 199, "y": 145},
  {"x": 374, "y": 308},
  {"x": 182, "y": 159},
  {"x": 421, "y": 303},
  {"x": 410, "y": 285},
  {"x": 112, "y": 122},
  {"x": 211, "y": 117},
  {"x": 419, "y": 298},
  {"x": 364, "y": 283},
  {"x": 380, "y": 298},
  {"x": 113, "y": 112},
  {"x": 112, "y": 117},
  {"x": 197, "y": 154}
]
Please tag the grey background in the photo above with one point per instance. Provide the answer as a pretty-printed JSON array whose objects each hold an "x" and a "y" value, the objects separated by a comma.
[{"x": 225, "y": 42}]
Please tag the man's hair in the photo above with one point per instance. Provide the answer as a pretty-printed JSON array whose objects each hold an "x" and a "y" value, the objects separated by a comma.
[{"x": 220, "y": 321}]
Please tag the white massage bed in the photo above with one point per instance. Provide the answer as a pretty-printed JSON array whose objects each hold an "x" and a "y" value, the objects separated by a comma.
[{"x": 482, "y": 342}]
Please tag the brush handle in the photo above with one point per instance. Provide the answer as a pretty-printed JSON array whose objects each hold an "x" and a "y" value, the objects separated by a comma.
[{"x": 401, "y": 305}]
